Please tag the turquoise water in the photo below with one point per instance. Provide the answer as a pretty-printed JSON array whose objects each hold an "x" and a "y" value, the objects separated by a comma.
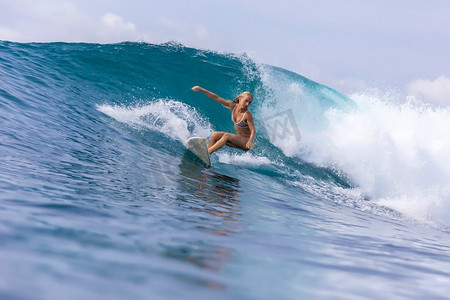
[{"x": 99, "y": 198}]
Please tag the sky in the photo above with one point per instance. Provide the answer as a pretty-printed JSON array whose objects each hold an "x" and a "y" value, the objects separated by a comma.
[{"x": 349, "y": 45}]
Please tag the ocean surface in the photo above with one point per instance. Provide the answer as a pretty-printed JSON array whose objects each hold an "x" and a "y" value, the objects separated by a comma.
[{"x": 343, "y": 197}]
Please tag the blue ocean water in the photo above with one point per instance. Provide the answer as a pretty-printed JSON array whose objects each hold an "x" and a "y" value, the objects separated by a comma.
[{"x": 342, "y": 197}]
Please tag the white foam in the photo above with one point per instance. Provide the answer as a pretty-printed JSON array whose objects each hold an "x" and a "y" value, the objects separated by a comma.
[
  {"x": 172, "y": 118},
  {"x": 398, "y": 154},
  {"x": 246, "y": 159}
]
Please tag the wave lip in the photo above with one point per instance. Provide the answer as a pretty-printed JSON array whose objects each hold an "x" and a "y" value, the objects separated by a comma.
[{"x": 172, "y": 118}]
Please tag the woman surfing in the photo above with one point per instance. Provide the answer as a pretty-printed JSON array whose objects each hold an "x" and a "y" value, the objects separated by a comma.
[{"x": 242, "y": 119}]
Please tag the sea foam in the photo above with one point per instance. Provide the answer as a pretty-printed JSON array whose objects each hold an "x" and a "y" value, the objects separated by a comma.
[{"x": 398, "y": 153}]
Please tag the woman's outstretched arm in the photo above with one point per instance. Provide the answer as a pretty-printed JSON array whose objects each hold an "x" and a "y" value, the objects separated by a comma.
[{"x": 226, "y": 103}]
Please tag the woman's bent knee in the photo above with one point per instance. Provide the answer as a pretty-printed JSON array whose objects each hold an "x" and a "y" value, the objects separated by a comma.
[{"x": 216, "y": 135}]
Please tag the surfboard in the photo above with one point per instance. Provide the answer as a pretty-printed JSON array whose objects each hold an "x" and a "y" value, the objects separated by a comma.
[{"x": 197, "y": 145}]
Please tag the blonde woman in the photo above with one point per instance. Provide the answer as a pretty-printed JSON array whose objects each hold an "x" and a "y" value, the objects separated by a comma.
[{"x": 242, "y": 119}]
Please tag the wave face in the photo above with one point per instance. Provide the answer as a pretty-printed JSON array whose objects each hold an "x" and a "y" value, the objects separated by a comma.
[{"x": 98, "y": 132}]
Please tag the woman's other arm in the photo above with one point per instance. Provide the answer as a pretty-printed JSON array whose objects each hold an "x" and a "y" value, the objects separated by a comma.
[{"x": 251, "y": 126}]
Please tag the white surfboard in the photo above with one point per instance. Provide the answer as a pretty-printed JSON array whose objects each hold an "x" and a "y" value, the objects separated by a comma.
[{"x": 197, "y": 145}]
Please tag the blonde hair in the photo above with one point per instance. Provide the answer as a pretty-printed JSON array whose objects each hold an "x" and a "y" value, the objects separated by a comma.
[{"x": 236, "y": 100}]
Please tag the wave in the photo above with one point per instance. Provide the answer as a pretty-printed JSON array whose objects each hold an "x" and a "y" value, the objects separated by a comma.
[{"x": 366, "y": 148}]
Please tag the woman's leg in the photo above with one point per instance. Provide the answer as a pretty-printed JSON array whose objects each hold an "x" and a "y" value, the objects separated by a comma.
[
  {"x": 220, "y": 139},
  {"x": 215, "y": 137}
]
